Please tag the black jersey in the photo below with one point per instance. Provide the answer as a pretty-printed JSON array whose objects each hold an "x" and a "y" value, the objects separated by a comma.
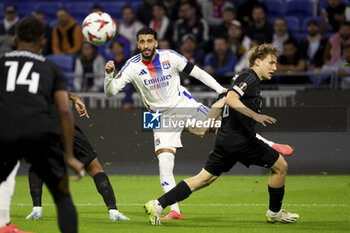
[
  {"x": 27, "y": 84},
  {"x": 236, "y": 126}
]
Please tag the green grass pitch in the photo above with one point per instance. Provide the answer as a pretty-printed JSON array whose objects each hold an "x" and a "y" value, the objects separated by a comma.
[{"x": 231, "y": 204}]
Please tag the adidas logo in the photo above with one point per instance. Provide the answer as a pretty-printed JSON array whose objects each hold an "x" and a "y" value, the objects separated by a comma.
[
  {"x": 142, "y": 72},
  {"x": 165, "y": 183}
]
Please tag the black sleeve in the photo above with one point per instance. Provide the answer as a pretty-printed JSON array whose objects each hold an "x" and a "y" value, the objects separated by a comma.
[
  {"x": 241, "y": 83},
  {"x": 188, "y": 68}
]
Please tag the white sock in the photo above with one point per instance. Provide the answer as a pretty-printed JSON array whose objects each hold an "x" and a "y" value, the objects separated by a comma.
[
  {"x": 6, "y": 191},
  {"x": 158, "y": 206},
  {"x": 113, "y": 211},
  {"x": 270, "y": 143},
  {"x": 167, "y": 180},
  {"x": 38, "y": 208}
]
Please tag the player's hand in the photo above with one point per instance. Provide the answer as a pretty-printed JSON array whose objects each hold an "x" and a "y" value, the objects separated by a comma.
[
  {"x": 81, "y": 108},
  {"x": 263, "y": 119},
  {"x": 224, "y": 91},
  {"x": 76, "y": 166},
  {"x": 109, "y": 67}
]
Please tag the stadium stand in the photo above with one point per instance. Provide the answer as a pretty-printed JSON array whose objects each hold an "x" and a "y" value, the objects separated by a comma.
[
  {"x": 66, "y": 63},
  {"x": 299, "y": 8},
  {"x": 293, "y": 24},
  {"x": 275, "y": 8}
]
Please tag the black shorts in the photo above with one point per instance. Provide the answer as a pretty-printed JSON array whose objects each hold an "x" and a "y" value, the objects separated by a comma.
[
  {"x": 42, "y": 150},
  {"x": 83, "y": 150},
  {"x": 225, "y": 156}
]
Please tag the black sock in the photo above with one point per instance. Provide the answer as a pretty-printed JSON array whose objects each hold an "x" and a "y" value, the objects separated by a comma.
[
  {"x": 180, "y": 192},
  {"x": 104, "y": 187},
  {"x": 36, "y": 187},
  {"x": 276, "y": 197},
  {"x": 66, "y": 213}
]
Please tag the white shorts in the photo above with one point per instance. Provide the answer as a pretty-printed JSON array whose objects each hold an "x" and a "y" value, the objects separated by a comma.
[{"x": 169, "y": 136}]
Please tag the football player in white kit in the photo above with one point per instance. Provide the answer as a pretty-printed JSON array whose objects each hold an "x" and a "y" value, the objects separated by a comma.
[{"x": 155, "y": 75}]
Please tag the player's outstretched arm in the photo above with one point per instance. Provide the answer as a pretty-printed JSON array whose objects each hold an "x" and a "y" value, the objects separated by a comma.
[
  {"x": 79, "y": 105},
  {"x": 233, "y": 100},
  {"x": 113, "y": 85},
  {"x": 67, "y": 124},
  {"x": 214, "y": 114},
  {"x": 204, "y": 77}
]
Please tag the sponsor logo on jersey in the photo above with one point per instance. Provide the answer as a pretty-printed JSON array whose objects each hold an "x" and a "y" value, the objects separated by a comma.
[
  {"x": 166, "y": 64},
  {"x": 142, "y": 72},
  {"x": 243, "y": 86},
  {"x": 157, "y": 80},
  {"x": 152, "y": 120}
]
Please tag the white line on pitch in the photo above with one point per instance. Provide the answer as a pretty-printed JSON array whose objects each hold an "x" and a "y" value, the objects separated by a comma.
[{"x": 208, "y": 204}]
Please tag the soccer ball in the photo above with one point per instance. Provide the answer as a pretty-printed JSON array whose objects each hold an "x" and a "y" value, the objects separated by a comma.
[{"x": 99, "y": 28}]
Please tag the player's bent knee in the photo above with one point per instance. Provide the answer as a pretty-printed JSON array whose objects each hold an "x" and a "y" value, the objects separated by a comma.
[{"x": 94, "y": 167}]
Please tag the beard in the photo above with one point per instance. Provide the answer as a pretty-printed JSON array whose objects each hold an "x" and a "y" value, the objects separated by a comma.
[{"x": 149, "y": 56}]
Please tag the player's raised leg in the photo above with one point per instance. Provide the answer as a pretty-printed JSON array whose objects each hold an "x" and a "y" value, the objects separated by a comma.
[
  {"x": 104, "y": 187},
  {"x": 166, "y": 158},
  {"x": 283, "y": 149},
  {"x": 276, "y": 193}
]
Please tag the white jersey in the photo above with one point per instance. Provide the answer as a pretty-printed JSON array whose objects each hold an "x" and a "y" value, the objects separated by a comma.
[{"x": 158, "y": 81}]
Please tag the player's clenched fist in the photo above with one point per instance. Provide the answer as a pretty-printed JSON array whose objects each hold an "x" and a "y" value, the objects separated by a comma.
[{"x": 109, "y": 67}]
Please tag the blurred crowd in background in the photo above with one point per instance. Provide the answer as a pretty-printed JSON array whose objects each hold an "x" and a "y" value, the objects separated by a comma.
[{"x": 313, "y": 36}]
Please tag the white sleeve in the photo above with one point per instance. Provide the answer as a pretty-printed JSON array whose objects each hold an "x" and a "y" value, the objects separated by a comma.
[
  {"x": 113, "y": 85},
  {"x": 207, "y": 79}
]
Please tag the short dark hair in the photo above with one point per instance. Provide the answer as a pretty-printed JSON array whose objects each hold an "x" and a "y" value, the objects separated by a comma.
[
  {"x": 96, "y": 7},
  {"x": 313, "y": 22},
  {"x": 117, "y": 42},
  {"x": 260, "y": 6},
  {"x": 146, "y": 31},
  {"x": 127, "y": 6},
  {"x": 63, "y": 9},
  {"x": 221, "y": 37},
  {"x": 160, "y": 5},
  {"x": 30, "y": 29},
  {"x": 291, "y": 41}
]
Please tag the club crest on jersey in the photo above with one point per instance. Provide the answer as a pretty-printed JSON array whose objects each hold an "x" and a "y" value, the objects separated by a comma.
[
  {"x": 243, "y": 86},
  {"x": 166, "y": 64}
]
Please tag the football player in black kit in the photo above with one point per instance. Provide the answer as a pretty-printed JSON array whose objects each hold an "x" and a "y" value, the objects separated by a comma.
[
  {"x": 29, "y": 87},
  {"x": 236, "y": 141},
  {"x": 85, "y": 153}
]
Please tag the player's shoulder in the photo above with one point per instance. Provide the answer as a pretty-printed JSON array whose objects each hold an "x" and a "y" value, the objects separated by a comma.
[
  {"x": 247, "y": 76},
  {"x": 130, "y": 63},
  {"x": 171, "y": 54}
]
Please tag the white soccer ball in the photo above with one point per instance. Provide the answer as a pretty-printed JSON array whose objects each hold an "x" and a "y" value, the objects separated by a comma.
[{"x": 98, "y": 28}]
